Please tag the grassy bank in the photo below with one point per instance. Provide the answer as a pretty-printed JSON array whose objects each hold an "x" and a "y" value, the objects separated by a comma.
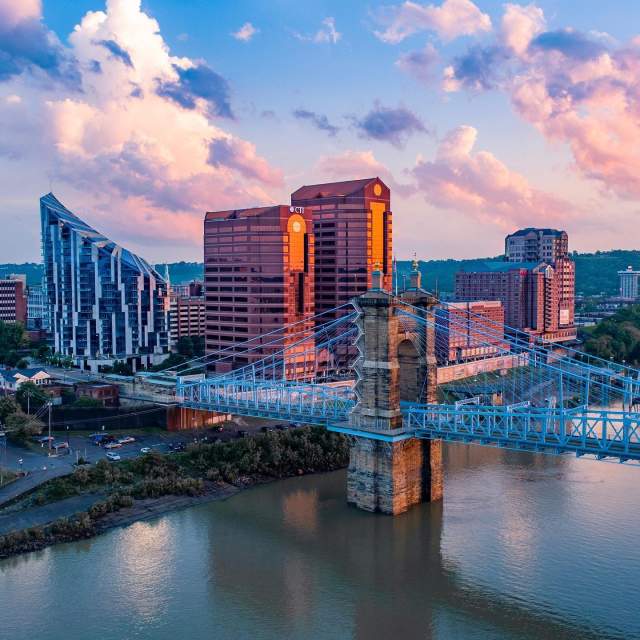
[{"x": 200, "y": 469}]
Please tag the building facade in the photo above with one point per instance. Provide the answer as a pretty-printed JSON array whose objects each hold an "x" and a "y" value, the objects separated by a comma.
[
  {"x": 186, "y": 317},
  {"x": 352, "y": 224},
  {"x": 536, "y": 245},
  {"x": 467, "y": 331},
  {"x": 629, "y": 283},
  {"x": 104, "y": 303},
  {"x": 37, "y": 318},
  {"x": 13, "y": 300},
  {"x": 537, "y": 298},
  {"x": 259, "y": 278}
]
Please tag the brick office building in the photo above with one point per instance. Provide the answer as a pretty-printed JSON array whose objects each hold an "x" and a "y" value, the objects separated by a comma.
[
  {"x": 259, "y": 277},
  {"x": 13, "y": 299}
]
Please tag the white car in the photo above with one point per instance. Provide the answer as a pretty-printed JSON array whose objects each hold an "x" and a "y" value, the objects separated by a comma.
[
  {"x": 114, "y": 457},
  {"x": 112, "y": 445},
  {"x": 127, "y": 440},
  {"x": 145, "y": 450}
]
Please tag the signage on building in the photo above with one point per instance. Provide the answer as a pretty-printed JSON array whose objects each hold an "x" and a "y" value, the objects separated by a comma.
[{"x": 296, "y": 209}]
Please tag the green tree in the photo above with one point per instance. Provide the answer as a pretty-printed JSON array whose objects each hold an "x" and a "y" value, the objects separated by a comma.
[
  {"x": 21, "y": 427},
  {"x": 12, "y": 339},
  {"x": 198, "y": 345},
  {"x": 31, "y": 397},
  {"x": 184, "y": 346},
  {"x": 8, "y": 406},
  {"x": 86, "y": 402}
]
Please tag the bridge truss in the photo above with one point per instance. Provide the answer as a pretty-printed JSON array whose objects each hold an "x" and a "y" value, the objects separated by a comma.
[{"x": 535, "y": 398}]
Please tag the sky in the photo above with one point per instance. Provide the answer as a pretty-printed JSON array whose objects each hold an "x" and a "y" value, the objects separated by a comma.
[{"x": 481, "y": 116}]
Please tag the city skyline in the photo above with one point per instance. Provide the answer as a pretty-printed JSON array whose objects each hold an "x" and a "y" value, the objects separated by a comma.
[{"x": 437, "y": 99}]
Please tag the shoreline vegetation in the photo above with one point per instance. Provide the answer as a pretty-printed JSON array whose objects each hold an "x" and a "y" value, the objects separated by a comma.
[{"x": 155, "y": 483}]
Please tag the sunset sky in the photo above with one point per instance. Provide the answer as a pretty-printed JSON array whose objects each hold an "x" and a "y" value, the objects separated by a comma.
[{"x": 481, "y": 116}]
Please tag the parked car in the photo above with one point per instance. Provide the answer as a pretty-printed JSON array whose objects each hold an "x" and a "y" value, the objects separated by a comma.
[
  {"x": 114, "y": 457},
  {"x": 127, "y": 440},
  {"x": 179, "y": 446},
  {"x": 112, "y": 445},
  {"x": 145, "y": 450}
]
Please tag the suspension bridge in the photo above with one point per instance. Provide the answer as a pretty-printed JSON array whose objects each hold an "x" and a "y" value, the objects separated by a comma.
[{"x": 372, "y": 374}]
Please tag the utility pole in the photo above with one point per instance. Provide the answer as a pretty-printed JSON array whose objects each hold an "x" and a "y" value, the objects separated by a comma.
[{"x": 49, "y": 440}]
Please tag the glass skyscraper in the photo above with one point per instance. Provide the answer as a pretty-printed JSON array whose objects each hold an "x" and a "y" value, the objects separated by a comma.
[{"x": 104, "y": 302}]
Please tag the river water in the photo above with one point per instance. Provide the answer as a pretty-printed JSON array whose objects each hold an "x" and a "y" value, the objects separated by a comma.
[{"x": 523, "y": 546}]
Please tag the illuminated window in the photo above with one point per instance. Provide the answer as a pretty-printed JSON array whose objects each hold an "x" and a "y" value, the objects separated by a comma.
[
  {"x": 377, "y": 233},
  {"x": 296, "y": 228}
]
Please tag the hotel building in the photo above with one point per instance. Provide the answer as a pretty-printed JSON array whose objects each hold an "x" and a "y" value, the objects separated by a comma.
[
  {"x": 467, "y": 331},
  {"x": 629, "y": 283},
  {"x": 352, "y": 224},
  {"x": 259, "y": 278},
  {"x": 536, "y": 245},
  {"x": 104, "y": 303}
]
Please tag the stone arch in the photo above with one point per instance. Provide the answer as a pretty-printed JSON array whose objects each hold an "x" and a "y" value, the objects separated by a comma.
[{"x": 410, "y": 380}]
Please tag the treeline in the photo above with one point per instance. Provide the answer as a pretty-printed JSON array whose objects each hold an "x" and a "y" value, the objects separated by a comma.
[
  {"x": 616, "y": 338},
  {"x": 242, "y": 462}
]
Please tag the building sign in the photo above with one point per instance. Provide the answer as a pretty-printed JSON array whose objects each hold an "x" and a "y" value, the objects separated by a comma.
[{"x": 296, "y": 209}]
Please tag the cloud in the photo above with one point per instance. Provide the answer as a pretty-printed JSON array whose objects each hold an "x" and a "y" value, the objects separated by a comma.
[
  {"x": 318, "y": 120},
  {"x": 389, "y": 124},
  {"x": 245, "y": 32},
  {"x": 199, "y": 82},
  {"x": 352, "y": 165},
  {"x": 326, "y": 34},
  {"x": 453, "y": 18},
  {"x": 480, "y": 185},
  {"x": 420, "y": 64},
  {"x": 570, "y": 43},
  {"x": 580, "y": 89},
  {"x": 26, "y": 44},
  {"x": 116, "y": 51},
  {"x": 137, "y": 146}
]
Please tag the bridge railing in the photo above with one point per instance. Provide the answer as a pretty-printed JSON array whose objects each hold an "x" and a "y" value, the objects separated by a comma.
[{"x": 579, "y": 430}]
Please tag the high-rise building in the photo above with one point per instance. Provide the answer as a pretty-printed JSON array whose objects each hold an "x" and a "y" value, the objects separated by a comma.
[
  {"x": 536, "y": 245},
  {"x": 537, "y": 297},
  {"x": 629, "y": 283},
  {"x": 352, "y": 224},
  {"x": 104, "y": 302},
  {"x": 13, "y": 300},
  {"x": 469, "y": 330},
  {"x": 259, "y": 278}
]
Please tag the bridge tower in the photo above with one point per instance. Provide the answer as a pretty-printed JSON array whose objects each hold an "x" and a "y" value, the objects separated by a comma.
[{"x": 388, "y": 470}]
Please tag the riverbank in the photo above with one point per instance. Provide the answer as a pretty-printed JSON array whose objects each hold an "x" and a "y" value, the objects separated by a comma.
[{"x": 144, "y": 488}]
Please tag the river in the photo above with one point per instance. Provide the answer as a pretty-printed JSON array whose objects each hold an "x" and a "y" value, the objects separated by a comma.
[{"x": 523, "y": 547}]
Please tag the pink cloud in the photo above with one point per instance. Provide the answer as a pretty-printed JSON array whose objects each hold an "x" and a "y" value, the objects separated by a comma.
[
  {"x": 453, "y": 18},
  {"x": 141, "y": 145},
  {"x": 480, "y": 185},
  {"x": 12, "y": 12}
]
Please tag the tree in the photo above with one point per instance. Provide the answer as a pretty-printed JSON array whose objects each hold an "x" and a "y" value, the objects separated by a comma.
[
  {"x": 12, "y": 339},
  {"x": 198, "y": 345},
  {"x": 30, "y": 397},
  {"x": 87, "y": 402},
  {"x": 21, "y": 427},
  {"x": 184, "y": 346},
  {"x": 23, "y": 363},
  {"x": 8, "y": 406}
]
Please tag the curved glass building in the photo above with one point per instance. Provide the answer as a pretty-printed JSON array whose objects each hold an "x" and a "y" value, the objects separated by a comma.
[{"x": 104, "y": 302}]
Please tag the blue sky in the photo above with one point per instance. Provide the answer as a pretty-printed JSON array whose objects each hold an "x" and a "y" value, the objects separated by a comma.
[{"x": 502, "y": 141}]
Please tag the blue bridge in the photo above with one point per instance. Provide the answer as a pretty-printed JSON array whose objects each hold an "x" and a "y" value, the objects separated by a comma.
[{"x": 374, "y": 374}]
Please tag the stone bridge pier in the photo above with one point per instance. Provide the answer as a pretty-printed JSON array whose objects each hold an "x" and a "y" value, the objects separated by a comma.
[{"x": 389, "y": 471}]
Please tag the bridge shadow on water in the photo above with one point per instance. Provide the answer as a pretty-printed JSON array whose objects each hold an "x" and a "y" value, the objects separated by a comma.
[{"x": 295, "y": 553}]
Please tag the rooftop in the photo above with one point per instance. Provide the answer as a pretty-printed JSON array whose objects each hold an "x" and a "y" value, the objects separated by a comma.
[
  {"x": 10, "y": 374},
  {"x": 332, "y": 189},
  {"x": 498, "y": 266},
  {"x": 546, "y": 232},
  {"x": 251, "y": 212}
]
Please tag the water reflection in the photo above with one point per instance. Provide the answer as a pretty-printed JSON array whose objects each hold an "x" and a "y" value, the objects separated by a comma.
[{"x": 523, "y": 547}]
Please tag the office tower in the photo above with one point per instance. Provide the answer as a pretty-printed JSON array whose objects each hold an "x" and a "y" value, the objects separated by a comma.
[
  {"x": 104, "y": 302},
  {"x": 537, "y": 297},
  {"x": 13, "y": 300},
  {"x": 352, "y": 223},
  {"x": 629, "y": 283},
  {"x": 536, "y": 245},
  {"x": 258, "y": 279},
  {"x": 467, "y": 331}
]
